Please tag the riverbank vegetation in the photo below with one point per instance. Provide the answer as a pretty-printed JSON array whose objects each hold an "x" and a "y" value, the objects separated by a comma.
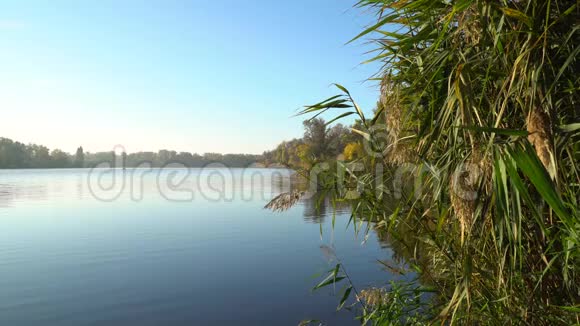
[
  {"x": 479, "y": 107},
  {"x": 320, "y": 143}
]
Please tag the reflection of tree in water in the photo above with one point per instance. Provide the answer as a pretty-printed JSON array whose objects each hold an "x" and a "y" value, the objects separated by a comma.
[
  {"x": 285, "y": 180},
  {"x": 10, "y": 194},
  {"x": 6, "y": 197},
  {"x": 316, "y": 205},
  {"x": 320, "y": 205},
  {"x": 315, "y": 208},
  {"x": 407, "y": 248},
  {"x": 402, "y": 240}
]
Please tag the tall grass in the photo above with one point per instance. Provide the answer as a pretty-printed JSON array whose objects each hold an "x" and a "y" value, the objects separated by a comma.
[{"x": 489, "y": 88}]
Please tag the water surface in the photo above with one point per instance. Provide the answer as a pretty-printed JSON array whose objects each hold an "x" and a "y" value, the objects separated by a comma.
[{"x": 154, "y": 256}]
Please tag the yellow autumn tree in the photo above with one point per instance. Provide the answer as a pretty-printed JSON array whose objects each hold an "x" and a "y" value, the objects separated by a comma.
[{"x": 353, "y": 151}]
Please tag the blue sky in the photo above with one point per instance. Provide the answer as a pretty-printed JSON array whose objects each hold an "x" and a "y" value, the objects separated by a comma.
[{"x": 198, "y": 76}]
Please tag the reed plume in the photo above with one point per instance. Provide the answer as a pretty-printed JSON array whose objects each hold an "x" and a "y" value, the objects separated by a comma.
[
  {"x": 539, "y": 129},
  {"x": 285, "y": 201}
]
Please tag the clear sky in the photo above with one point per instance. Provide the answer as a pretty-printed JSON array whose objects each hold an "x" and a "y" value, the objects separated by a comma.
[{"x": 198, "y": 76}]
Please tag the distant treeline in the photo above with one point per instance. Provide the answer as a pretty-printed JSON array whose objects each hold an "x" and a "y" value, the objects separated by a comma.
[
  {"x": 16, "y": 155},
  {"x": 318, "y": 144}
]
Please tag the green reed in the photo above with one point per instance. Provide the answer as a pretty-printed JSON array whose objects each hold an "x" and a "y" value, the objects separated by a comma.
[{"x": 493, "y": 86}]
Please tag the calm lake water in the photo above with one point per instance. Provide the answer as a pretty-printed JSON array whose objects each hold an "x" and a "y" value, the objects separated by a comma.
[{"x": 152, "y": 253}]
